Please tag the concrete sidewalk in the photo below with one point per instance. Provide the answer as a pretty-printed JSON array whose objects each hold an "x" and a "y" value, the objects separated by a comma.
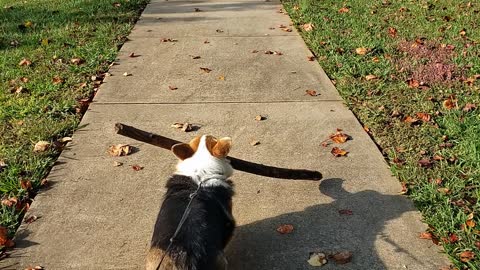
[{"x": 97, "y": 216}]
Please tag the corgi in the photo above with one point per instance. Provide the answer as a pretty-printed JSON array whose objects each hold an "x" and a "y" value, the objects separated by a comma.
[{"x": 209, "y": 224}]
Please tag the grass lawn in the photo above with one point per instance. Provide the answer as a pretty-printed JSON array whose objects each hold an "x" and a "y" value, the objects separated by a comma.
[
  {"x": 409, "y": 70},
  {"x": 49, "y": 51}
]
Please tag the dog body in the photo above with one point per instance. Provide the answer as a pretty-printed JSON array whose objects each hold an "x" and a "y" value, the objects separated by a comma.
[{"x": 209, "y": 224}]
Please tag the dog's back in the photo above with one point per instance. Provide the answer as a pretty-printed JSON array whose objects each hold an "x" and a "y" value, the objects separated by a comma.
[{"x": 207, "y": 228}]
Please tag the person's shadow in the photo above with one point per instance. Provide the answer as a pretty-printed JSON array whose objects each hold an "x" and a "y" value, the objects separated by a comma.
[{"x": 322, "y": 228}]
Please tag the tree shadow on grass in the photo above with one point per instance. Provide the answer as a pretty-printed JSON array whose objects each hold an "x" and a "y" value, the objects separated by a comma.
[{"x": 322, "y": 228}]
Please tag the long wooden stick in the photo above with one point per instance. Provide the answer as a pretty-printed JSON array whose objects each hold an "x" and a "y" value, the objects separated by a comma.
[{"x": 238, "y": 164}]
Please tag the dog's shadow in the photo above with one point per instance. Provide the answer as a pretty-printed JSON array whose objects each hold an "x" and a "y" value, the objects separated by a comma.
[{"x": 321, "y": 228}]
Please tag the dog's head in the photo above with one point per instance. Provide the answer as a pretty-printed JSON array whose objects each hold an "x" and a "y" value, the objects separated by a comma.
[{"x": 204, "y": 156}]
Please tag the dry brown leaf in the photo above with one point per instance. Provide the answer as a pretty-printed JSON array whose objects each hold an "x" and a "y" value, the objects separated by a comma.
[
  {"x": 344, "y": 10},
  {"x": 197, "y": 10},
  {"x": 26, "y": 184},
  {"x": 311, "y": 58},
  {"x": 37, "y": 267},
  {"x": 31, "y": 219},
  {"x": 467, "y": 256},
  {"x": 463, "y": 32},
  {"x": 41, "y": 146},
  {"x": 57, "y": 80},
  {"x": 449, "y": 104},
  {"x": 285, "y": 229},
  {"x": 342, "y": 257},
  {"x": 411, "y": 120},
  {"x": 137, "y": 168},
  {"x": 412, "y": 83},
  {"x": 470, "y": 223},
  {"x": 444, "y": 190},
  {"x": 308, "y": 27},
  {"x": 25, "y": 62},
  {"x": 118, "y": 150},
  {"x": 392, "y": 32},
  {"x": 133, "y": 55},
  {"x": 126, "y": 74},
  {"x": 255, "y": 51},
  {"x": 338, "y": 152},
  {"x": 361, "y": 51},
  {"x": 168, "y": 40},
  {"x": 4, "y": 241},
  {"x": 317, "y": 259},
  {"x": 339, "y": 137},
  {"x": 426, "y": 235},
  {"x": 260, "y": 118},
  {"x": 206, "y": 70},
  {"x": 425, "y": 163},
  {"x": 286, "y": 29},
  {"x": 425, "y": 117},
  {"x": 196, "y": 57},
  {"x": 24, "y": 79},
  {"x": 469, "y": 106},
  {"x": 371, "y": 77},
  {"x": 221, "y": 78},
  {"x": 171, "y": 87},
  {"x": 312, "y": 93},
  {"x": 345, "y": 212},
  {"x": 187, "y": 127}
]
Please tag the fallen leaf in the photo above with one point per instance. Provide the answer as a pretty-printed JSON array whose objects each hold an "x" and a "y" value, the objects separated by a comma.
[
  {"x": 172, "y": 87},
  {"x": 254, "y": 143},
  {"x": 168, "y": 40},
  {"x": 26, "y": 184},
  {"x": 27, "y": 24},
  {"x": 467, "y": 256},
  {"x": 197, "y": 10},
  {"x": 206, "y": 42},
  {"x": 286, "y": 29},
  {"x": 470, "y": 222},
  {"x": 411, "y": 120},
  {"x": 438, "y": 158},
  {"x": 206, "y": 70},
  {"x": 285, "y": 229},
  {"x": 361, "y": 51},
  {"x": 370, "y": 77},
  {"x": 324, "y": 144},
  {"x": 338, "y": 152},
  {"x": 426, "y": 235},
  {"x": 392, "y": 32},
  {"x": 186, "y": 127},
  {"x": 260, "y": 118},
  {"x": 452, "y": 238},
  {"x": 463, "y": 32},
  {"x": 31, "y": 219},
  {"x": 119, "y": 150},
  {"x": 57, "y": 80},
  {"x": 132, "y": 55},
  {"x": 342, "y": 257},
  {"x": 317, "y": 259},
  {"x": 41, "y": 146},
  {"x": 25, "y": 62},
  {"x": 404, "y": 188},
  {"x": 126, "y": 74},
  {"x": 344, "y": 10},
  {"x": 76, "y": 61},
  {"x": 425, "y": 163},
  {"x": 308, "y": 27},
  {"x": 312, "y": 93},
  {"x": 10, "y": 201},
  {"x": 254, "y": 51},
  {"x": 277, "y": 53},
  {"x": 219, "y": 31},
  {"x": 339, "y": 137},
  {"x": 444, "y": 190},
  {"x": 425, "y": 117},
  {"x": 137, "y": 168},
  {"x": 4, "y": 241},
  {"x": 311, "y": 58},
  {"x": 346, "y": 212},
  {"x": 268, "y": 52},
  {"x": 449, "y": 104},
  {"x": 221, "y": 78},
  {"x": 117, "y": 164},
  {"x": 412, "y": 83},
  {"x": 469, "y": 106},
  {"x": 196, "y": 57},
  {"x": 24, "y": 79},
  {"x": 44, "y": 182},
  {"x": 38, "y": 267},
  {"x": 116, "y": 4}
]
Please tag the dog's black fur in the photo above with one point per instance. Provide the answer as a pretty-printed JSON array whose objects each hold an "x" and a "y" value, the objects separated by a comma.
[{"x": 207, "y": 229}]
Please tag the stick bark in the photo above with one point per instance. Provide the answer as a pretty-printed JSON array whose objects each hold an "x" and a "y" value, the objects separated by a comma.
[{"x": 238, "y": 164}]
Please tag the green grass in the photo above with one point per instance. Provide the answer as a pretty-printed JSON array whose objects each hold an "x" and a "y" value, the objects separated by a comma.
[
  {"x": 49, "y": 34},
  {"x": 383, "y": 104}
]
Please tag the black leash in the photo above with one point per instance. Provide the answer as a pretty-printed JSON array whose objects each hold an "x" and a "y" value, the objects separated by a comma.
[{"x": 182, "y": 221}]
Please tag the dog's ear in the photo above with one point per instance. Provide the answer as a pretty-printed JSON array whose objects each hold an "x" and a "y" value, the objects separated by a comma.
[
  {"x": 182, "y": 151},
  {"x": 194, "y": 143},
  {"x": 222, "y": 147}
]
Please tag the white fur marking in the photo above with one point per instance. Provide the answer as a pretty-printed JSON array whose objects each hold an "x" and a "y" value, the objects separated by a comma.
[{"x": 202, "y": 166}]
